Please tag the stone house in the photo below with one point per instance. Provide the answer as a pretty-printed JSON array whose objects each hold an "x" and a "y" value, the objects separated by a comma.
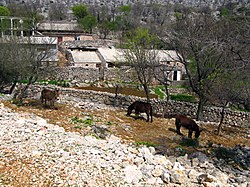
[{"x": 167, "y": 58}]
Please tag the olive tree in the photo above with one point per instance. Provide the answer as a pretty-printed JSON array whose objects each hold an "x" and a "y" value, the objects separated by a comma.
[{"x": 21, "y": 59}]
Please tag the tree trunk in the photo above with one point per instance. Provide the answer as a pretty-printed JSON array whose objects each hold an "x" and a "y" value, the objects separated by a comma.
[
  {"x": 167, "y": 100},
  {"x": 167, "y": 92},
  {"x": 222, "y": 113},
  {"x": 12, "y": 87},
  {"x": 146, "y": 92},
  {"x": 20, "y": 95},
  {"x": 199, "y": 114}
]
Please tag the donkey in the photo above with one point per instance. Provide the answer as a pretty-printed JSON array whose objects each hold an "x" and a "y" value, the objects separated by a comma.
[
  {"x": 140, "y": 107},
  {"x": 49, "y": 95},
  {"x": 188, "y": 123}
]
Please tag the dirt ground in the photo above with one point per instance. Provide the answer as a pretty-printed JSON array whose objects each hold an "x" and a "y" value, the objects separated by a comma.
[{"x": 160, "y": 133}]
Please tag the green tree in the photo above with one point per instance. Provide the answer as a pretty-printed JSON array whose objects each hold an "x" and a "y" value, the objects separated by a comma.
[
  {"x": 125, "y": 9},
  {"x": 4, "y": 11},
  {"x": 80, "y": 11},
  {"x": 88, "y": 22},
  {"x": 105, "y": 28},
  {"x": 21, "y": 59},
  {"x": 142, "y": 56}
]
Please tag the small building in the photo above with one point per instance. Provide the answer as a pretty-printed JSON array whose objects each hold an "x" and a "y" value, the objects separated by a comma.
[{"x": 167, "y": 59}]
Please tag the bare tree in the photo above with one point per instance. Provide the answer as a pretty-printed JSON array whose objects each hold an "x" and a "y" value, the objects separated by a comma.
[
  {"x": 57, "y": 12},
  {"x": 204, "y": 53}
]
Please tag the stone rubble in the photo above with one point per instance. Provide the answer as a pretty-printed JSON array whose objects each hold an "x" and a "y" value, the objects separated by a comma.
[{"x": 70, "y": 159}]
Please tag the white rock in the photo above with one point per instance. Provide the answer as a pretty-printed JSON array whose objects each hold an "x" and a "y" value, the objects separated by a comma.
[{"x": 132, "y": 174}]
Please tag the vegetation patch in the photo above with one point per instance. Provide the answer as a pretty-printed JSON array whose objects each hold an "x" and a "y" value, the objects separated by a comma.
[
  {"x": 183, "y": 97},
  {"x": 63, "y": 83},
  {"x": 86, "y": 122},
  {"x": 189, "y": 142},
  {"x": 148, "y": 144},
  {"x": 159, "y": 91}
]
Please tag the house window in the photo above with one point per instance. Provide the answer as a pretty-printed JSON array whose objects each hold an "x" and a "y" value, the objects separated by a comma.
[
  {"x": 77, "y": 38},
  {"x": 175, "y": 76}
]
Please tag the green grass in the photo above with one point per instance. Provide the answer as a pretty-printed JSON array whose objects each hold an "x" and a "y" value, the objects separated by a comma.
[
  {"x": 235, "y": 108},
  {"x": 159, "y": 91},
  {"x": 63, "y": 83},
  {"x": 86, "y": 122},
  {"x": 183, "y": 97},
  {"x": 78, "y": 127}
]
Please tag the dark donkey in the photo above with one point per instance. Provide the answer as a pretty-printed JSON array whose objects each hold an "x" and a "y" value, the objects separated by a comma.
[
  {"x": 49, "y": 95},
  {"x": 140, "y": 107},
  {"x": 188, "y": 123}
]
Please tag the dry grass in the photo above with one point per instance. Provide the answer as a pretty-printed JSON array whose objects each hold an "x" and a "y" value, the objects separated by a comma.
[{"x": 160, "y": 132}]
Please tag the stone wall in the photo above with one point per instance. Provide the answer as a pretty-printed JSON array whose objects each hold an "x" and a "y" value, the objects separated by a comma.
[
  {"x": 83, "y": 75},
  {"x": 77, "y": 74},
  {"x": 212, "y": 114}
]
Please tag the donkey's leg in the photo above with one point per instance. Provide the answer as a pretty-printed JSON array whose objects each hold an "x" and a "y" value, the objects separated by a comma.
[
  {"x": 178, "y": 127},
  {"x": 190, "y": 132},
  {"x": 137, "y": 114},
  {"x": 147, "y": 116}
]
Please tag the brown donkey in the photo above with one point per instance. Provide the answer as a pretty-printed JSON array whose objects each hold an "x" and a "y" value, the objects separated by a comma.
[
  {"x": 49, "y": 95},
  {"x": 140, "y": 107},
  {"x": 188, "y": 123}
]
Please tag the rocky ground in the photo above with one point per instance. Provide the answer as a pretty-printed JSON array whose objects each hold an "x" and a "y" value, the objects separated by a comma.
[{"x": 82, "y": 147}]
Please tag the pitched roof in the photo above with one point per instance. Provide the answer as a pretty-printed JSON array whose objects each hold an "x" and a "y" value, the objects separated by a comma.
[{"x": 59, "y": 26}]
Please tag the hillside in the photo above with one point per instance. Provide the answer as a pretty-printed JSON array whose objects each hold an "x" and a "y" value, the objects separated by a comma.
[{"x": 170, "y": 162}]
